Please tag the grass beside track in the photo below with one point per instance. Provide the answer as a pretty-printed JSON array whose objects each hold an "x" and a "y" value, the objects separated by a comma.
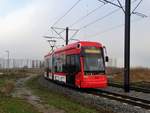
[
  {"x": 15, "y": 105},
  {"x": 9, "y": 104},
  {"x": 2, "y": 81},
  {"x": 59, "y": 101}
]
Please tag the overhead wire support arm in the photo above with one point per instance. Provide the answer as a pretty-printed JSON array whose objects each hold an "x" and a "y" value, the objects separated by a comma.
[
  {"x": 62, "y": 31},
  {"x": 64, "y": 28},
  {"x": 57, "y": 33},
  {"x": 75, "y": 39},
  {"x": 106, "y": 1},
  {"x": 136, "y": 6},
  {"x": 121, "y": 5},
  {"x": 57, "y": 28},
  {"x": 51, "y": 37},
  {"x": 102, "y": 1},
  {"x": 73, "y": 29},
  {"x": 67, "y": 33},
  {"x": 138, "y": 13},
  {"x": 74, "y": 34}
]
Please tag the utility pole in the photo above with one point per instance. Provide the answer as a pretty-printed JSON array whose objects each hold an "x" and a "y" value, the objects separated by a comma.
[
  {"x": 127, "y": 12},
  {"x": 7, "y": 58},
  {"x": 127, "y": 46},
  {"x": 67, "y": 29}
]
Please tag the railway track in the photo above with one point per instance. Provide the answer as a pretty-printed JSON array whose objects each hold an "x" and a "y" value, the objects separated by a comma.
[
  {"x": 122, "y": 98},
  {"x": 135, "y": 88},
  {"x": 126, "y": 99},
  {"x": 118, "y": 97}
]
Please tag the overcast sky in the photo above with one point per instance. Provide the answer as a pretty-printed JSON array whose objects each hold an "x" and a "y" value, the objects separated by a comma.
[{"x": 23, "y": 23}]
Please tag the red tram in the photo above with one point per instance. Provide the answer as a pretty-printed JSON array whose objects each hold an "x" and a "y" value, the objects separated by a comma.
[{"x": 80, "y": 64}]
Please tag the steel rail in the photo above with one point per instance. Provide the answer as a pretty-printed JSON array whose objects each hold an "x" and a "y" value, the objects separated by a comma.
[
  {"x": 122, "y": 98},
  {"x": 135, "y": 88}
]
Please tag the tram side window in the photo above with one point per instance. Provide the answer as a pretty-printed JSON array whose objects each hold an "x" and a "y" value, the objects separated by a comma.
[
  {"x": 46, "y": 64},
  {"x": 68, "y": 60},
  {"x": 55, "y": 65},
  {"x": 77, "y": 62},
  {"x": 50, "y": 64},
  {"x": 72, "y": 60},
  {"x": 73, "y": 63},
  {"x": 59, "y": 63}
]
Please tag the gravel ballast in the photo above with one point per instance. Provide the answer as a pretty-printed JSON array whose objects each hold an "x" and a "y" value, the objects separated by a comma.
[
  {"x": 89, "y": 99},
  {"x": 141, "y": 95}
]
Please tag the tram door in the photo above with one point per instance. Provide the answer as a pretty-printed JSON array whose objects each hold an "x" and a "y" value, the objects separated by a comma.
[
  {"x": 72, "y": 64},
  {"x": 70, "y": 74}
]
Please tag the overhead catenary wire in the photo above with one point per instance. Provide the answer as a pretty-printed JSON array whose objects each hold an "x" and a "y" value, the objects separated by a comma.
[
  {"x": 113, "y": 28},
  {"x": 88, "y": 14},
  {"x": 95, "y": 21},
  {"x": 101, "y": 18},
  {"x": 66, "y": 13}
]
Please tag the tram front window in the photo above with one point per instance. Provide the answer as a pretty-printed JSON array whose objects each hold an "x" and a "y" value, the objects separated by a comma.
[{"x": 93, "y": 61}]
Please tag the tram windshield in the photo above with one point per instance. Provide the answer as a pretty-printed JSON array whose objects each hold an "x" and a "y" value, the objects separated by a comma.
[{"x": 93, "y": 61}]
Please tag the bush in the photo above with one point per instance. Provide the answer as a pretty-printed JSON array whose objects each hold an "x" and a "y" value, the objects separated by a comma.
[{"x": 7, "y": 88}]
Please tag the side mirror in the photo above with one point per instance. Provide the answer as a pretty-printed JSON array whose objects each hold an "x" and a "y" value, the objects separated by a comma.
[{"x": 107, "y": 59}]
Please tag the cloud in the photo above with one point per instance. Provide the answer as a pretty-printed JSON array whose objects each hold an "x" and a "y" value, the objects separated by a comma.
[{"x": 22, "y": 30}]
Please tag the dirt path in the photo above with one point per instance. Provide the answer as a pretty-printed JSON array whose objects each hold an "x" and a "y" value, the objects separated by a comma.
[{"x": 25, "y": 93}]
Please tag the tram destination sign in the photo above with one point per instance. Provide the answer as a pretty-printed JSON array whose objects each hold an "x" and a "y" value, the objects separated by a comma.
[{"x": 92, "y": 51}]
